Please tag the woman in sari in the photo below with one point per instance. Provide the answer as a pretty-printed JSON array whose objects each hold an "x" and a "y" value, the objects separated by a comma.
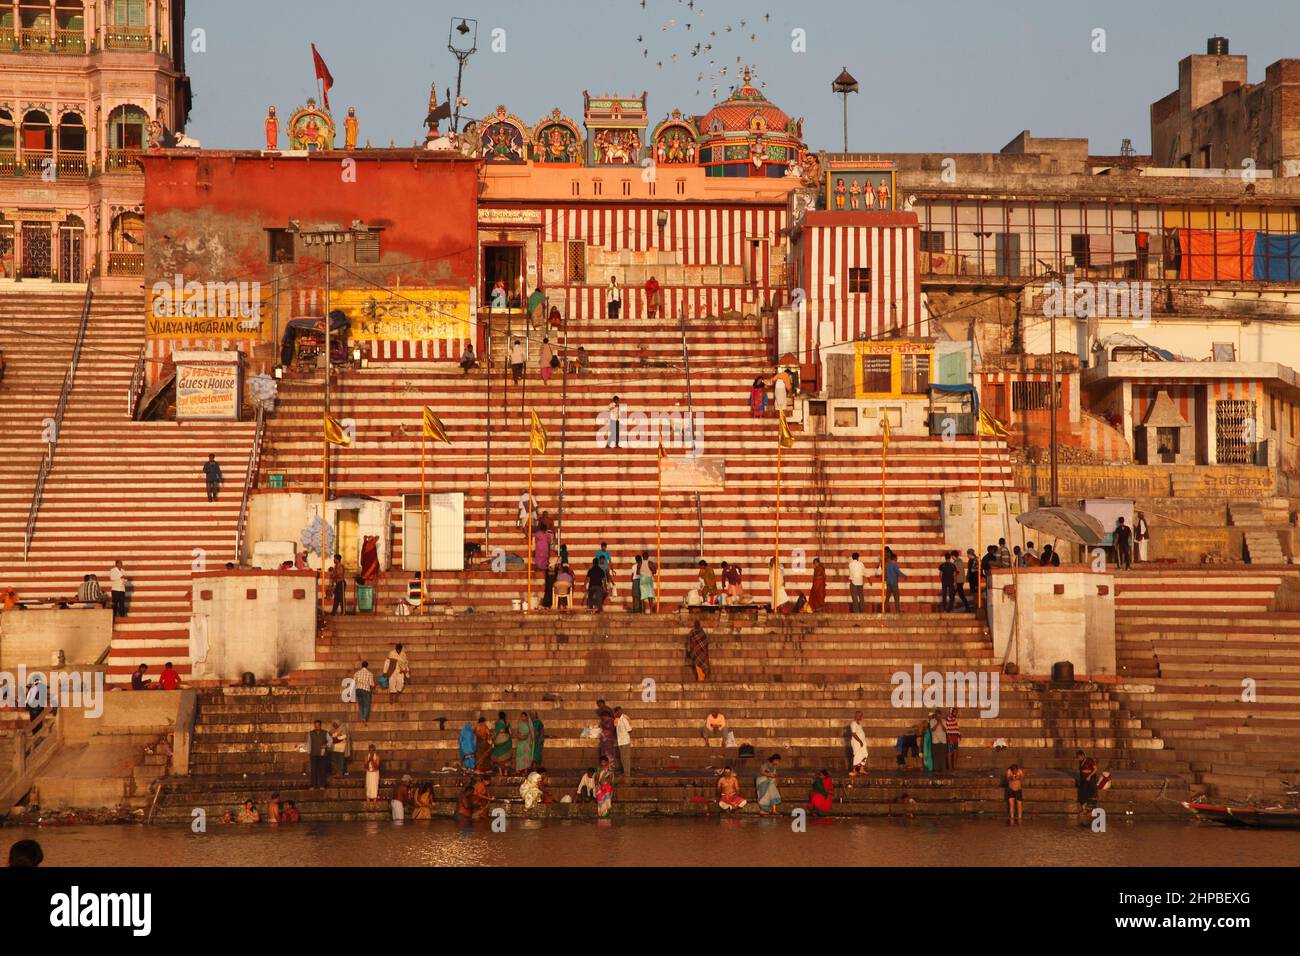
[
  {"x": 608, "y": 736},
  {"x": 397, "y": 668},
  {"x": 817, "y": 596},
  {"x": 541, "y": 548},
  {"x": 823, "y": 790},
  {"x": 646, "y": 585},
  {"x": 539, "y": 737},
  {"x": 482, "y": 745},
  {"x": 502, "y": 743},
  {"x": 604, "y": 788},
  {"x": 758, "y": 398},
  {"x": 423, "y": 802},
  {"x": 524, "y": 743},
  {"x": 468, "y": 746},
  {"x": 533, "y": 789},
  {"x": 372, "y": 776},
  {"x": 769, "y": 793},
  {"x": 697, "y": 651},
  {"x": 927, "y": 750}
]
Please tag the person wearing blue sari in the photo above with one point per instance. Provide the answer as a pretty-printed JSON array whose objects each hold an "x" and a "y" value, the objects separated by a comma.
[
  {"x": 539, "y": 737},
  {"x": 769, "y": 793},
  {"x": 927, "y": 750},
  {"x": 468, "y": 744},
  {"x": 524, "y": 740}
]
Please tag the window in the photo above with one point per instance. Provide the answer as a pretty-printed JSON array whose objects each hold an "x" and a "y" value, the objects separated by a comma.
[
  {"x": 595, "y": 187},
  {"x": 681, "y": 187},
  {"x": 577, "y": 271},
  {"x": 1079, "y": 250},
  {"x": 1033, "y": 396},
  {"x": 860, "y": 280},
  {"x": 931, "y": 241},
  {"x": 279, "y": 245},
  {"x": 577, "y": 188},
  {"x": 128, "y": 13},
  {"x": 916, "y": 374},
  {"x": 877, "y": 374},
  {"x": 846, "y": 416},
  {"x": 627, "y": 187},
  {"x": 365, "y": 248}
]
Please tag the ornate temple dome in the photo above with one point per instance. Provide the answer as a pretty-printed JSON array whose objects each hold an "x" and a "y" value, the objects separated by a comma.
[{"x": 737, "y": 113}]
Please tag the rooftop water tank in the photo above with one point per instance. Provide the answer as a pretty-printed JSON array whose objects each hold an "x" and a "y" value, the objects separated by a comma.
[{"x": 1216, "y": 46}]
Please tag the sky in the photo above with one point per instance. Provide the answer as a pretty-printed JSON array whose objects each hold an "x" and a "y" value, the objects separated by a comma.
[{"x": 943, "y": 75}]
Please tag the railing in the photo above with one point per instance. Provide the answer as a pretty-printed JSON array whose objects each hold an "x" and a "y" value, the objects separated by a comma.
[
  {"x": 37, "y": 161},
  {"x": 126, "y": 263},
  {"x": 69, "y": 41},
  {"x": 136, "y": 388},
  {"x": 47, "y": 461},
  {"x": 37, "y": 40},
  {"x": 8, "y": 43},
  {"x": 690, "y": 412},
  {"x": 33, "y": 746},
  {"x": 121, "y": 160},
  {"x": 72, "y": 166},
  {"x": 8, "y": 157},
  {"x": 250, "y": 476},
  {"x": 127, "y": 38}
]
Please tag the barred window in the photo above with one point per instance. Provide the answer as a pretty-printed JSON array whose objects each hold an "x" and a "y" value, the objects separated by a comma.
[
  {"x": 916, "y": 374},
  {"x": 860, "y": 280},
  {"x": 1033, "y": 396},
  {"x": 577, "y": 271},
  {"x": 931, "y": 241},
  {"x": 365, "y": 249}
]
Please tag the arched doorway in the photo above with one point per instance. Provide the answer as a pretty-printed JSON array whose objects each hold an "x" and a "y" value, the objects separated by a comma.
[
  {"x": 72, "y": 246},
  {"x": 72, "y": 145},
  {"x": 8, "y": 144},
  {"x": 126, "y": 253},
  {"x": 126, "y": 136},
  {"x": 37, "y": 141}
]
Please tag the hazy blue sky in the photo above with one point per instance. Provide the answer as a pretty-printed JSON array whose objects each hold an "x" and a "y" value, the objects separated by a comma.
[{"x": 940, "y": 75}]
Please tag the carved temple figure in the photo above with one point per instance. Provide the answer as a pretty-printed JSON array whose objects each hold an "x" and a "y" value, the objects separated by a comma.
[
  {"x": 350, "y": 127},
  {"x": 311, "y": 128},
  {"x": 272, "y": 129}
]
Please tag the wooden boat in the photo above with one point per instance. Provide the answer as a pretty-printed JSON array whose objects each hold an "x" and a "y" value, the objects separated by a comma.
[{"x": 1268, "y": 818}]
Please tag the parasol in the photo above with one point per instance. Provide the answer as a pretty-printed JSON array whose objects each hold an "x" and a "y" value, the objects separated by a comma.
[{"x": 1068, "y": 524}]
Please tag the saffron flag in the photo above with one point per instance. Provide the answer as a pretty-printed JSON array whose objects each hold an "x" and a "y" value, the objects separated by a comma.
[
  {"x": 433, "y": 427},
  {"x": 334, "y": 433},
  {"x": 884, "y": 429},
  {"x": 322, "y": 74},
  {"x": 784, "y": 437},
  {"x": 990, "y": 426},
  {"x": 537, "y": 437}
]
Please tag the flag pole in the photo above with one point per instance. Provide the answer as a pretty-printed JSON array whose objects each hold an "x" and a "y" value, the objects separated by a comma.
[
  {"x": 424, "y": 521},
  {"x": 324, "y": 484},
  {"x": 776, "y": 555},
  {"x": 528, "y": 548},
  {"x": 659, "y": 526},
  {"x": 884, "y": 447},
  {"x": 979, "y": 511}
]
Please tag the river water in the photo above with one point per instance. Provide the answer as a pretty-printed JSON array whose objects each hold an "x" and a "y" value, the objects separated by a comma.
[{"x": 680, "y": 842}]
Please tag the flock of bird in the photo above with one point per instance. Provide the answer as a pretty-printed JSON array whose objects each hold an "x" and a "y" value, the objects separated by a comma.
[{"x": 707, "y": 49}]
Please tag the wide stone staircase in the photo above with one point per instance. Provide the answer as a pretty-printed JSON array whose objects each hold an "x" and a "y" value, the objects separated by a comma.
[
  {"x": 786, "y": 685},
  {"x": 119, "y": 488},
  {"x": 1209, "y": 659},
  {"x": 830, "y": 485}
]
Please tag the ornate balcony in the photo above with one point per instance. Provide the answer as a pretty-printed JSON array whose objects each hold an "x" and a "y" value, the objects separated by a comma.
[
  {"x": 121, "y": 160},
  {"x": 127, "y": 38},
  {"x": 35, "y": 161},
  {"x": 36, "y": 40},
  {"x": 69, "y": 41},
  {"x": 8, "y": 162},
  {"x": 126, "y": 263}
]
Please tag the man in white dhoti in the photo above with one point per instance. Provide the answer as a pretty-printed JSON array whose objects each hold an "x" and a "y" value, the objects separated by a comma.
[
  {"x": 397, "y": 669},
  {"x": 858, "y": 741}
]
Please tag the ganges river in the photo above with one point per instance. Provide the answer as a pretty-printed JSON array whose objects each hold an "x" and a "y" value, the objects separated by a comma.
[{"x": 668, "y": 842}]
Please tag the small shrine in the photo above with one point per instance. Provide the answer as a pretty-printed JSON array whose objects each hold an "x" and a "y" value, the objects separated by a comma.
[
  {"x": 311, "y": 128},
  {"x": 504, "y": 137},
  {"x": 860, "y": 186},
  {"x": 616, "y": 128},
  {"x": 676, "y": 141},
  {"x": 557, "y": 141}
]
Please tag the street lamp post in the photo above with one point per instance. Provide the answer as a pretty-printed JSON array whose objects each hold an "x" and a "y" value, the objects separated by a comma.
[
  {"x": 462, "y": 42},
  {"x": 844, "y": 84}
]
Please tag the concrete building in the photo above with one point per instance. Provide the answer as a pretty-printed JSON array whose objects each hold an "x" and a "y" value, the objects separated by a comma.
[{"x": 85, "y": 86}]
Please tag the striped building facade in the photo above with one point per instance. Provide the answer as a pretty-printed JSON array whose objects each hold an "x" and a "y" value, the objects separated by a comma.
[{"x": 858, "y": 275}]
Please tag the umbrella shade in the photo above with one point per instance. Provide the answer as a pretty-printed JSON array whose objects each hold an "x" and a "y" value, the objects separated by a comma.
[{"x": 1068, "y": 524}]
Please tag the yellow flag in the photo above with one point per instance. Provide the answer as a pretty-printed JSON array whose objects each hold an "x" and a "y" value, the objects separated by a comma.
[
  {"x": 884, "y": 429},
  {"x": 990, "y": 426},
  {"x": 433, "y": 427},
  {"x": 662, "y": 455},
  {"x": 784, "y": 437},
  {"x": 334, "y": 433},
  {"x": 537, "y": 438}
]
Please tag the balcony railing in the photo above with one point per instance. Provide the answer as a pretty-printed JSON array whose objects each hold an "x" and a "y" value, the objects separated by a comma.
[
  {"x": 127, "y": 38},
  {"x": 36, "y": 161},
  {"x": 8, "y": 162},
  {"x": 72, "y": 166},
  {"x": 117, "y": 160},
  {"x": 126, "y": 263},
  {"x": 8, "y": 42},
  {"x": 69, "y": 41},
  {"x": 37, "y": 40},
  {"x": 32, "y": 163}
]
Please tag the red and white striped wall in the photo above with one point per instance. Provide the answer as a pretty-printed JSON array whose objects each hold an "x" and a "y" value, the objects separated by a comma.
[
  {"x": 827, "y": 246},
  {"x": 1184, "y": 395}
]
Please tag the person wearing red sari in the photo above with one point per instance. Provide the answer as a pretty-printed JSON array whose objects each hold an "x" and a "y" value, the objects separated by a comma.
[
  {"x": 817, "y": 596},
  {"x": 823, "y": 791}
]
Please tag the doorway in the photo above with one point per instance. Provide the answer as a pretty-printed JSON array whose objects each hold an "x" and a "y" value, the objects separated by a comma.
[
  {"x": 504, "y": 263},
  {"x": 348, "y": 521},
  {"x": 36, "y": 250}
]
